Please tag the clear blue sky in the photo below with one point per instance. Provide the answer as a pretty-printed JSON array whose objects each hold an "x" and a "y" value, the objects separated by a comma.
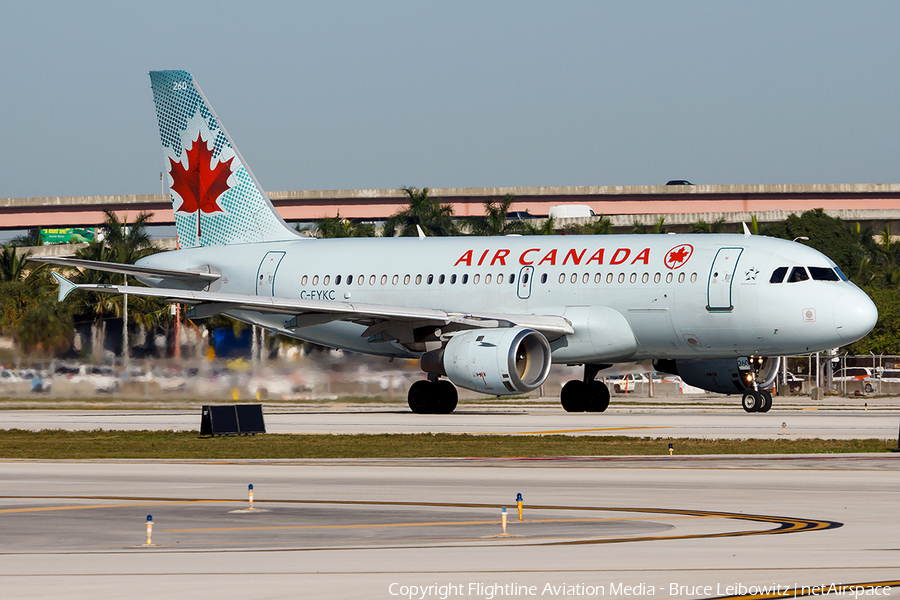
[{"x": 349, "y": 95}]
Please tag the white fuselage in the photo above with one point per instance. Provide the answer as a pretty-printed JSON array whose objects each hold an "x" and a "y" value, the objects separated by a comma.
[{"x": 631, "y": 297}]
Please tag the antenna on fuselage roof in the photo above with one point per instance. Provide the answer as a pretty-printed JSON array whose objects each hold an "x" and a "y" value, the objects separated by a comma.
[
  {"x": 746, "y": 230},
  {"x": 421, "y": 233}
]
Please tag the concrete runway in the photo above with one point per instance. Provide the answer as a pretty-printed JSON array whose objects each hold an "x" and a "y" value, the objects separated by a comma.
[
  {"x": 828, "y": 422},
  {"x": 710, "y": 527}
]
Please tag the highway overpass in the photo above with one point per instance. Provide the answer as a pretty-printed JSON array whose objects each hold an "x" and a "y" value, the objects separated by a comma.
[{"x": 871, "y": 204}]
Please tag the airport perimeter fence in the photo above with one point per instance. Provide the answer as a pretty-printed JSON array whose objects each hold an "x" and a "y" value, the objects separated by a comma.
[{"x": 845, "y": 374}]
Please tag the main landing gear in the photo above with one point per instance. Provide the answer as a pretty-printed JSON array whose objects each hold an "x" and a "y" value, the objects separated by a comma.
[
  {"x": 433, "y": 396},
  {"x": 586, "y": 395},
  {"x": 757, "y": 401}
]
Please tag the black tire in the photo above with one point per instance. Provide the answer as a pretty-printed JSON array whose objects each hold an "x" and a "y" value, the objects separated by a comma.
[
  {"x": 447, "y": 397},
  {"x": 751, "y": 401},
  {"x": 574, "y": 396},
  {"x": 869, "y": 389},
  {"x": 420, "y": 397},
  {"x": 598, "y": 396},
  {"x": 766, "y": 401}
]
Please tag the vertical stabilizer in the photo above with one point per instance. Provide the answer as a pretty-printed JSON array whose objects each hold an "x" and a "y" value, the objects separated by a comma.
[{"x": 216, "y": 198}]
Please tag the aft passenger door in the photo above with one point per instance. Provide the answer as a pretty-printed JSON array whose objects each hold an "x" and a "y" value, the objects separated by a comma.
[
  {"x": 265, "y": 278},
  {"x": 721, "y": 277}
]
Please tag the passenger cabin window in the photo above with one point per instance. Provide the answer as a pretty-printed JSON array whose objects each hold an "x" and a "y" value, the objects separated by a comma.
[
  {"x": 778, "y": 275},
  {"x": 823, "y": 274},
  {"x": 797, "y": 274}
]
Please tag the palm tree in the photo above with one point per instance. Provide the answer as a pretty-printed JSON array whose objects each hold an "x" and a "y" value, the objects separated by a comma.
[
  {"x": 494, "y": 222},
  {"x": 128, "y": 242},
  {"x": 428, "y": 213},
  {"x": 602, "y": 226},
  {"x": 12, "y": 264},
  {"x": 548, "y": 227},
  {"x": 336, "y": 227},
  {"x": 122, "y": 243},
  {"x": 658, "y": 227},
  {"x": 701, "y": 226}
]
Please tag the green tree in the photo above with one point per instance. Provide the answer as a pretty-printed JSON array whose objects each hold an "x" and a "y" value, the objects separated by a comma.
[
  {"x": 547, "y": 227},
  {"x": 337, "y": 227},
  {"x": 659, "y": 227},
  {"x": 494, "y": 220},
  {"x": 826, "y": 234},
  {"x": 12, "y": 263},
  {"x": 428, "y": 213},
  {"x": 122, "y": 243},
  {"x": 701, "y": 226}
]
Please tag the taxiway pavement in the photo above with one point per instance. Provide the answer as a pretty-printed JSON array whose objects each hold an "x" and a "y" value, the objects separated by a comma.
[
  {"x": 643, "y": 421},
  {"x": 667, "y": 528}
]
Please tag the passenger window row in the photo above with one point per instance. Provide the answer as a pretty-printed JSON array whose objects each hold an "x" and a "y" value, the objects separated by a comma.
[
  {"x": 488, "y": 278},
  {"x": 798, "y": 274}
]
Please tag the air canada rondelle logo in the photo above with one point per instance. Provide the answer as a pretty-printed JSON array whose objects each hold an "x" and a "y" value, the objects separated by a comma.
[{"x": 678, "y": 256}]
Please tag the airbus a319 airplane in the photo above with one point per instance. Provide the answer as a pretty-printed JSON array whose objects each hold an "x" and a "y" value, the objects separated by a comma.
[{"x": 489, "y": 314}]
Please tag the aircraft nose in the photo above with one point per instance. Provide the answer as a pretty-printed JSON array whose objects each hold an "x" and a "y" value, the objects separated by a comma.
[{"x": 854, "y": 315}]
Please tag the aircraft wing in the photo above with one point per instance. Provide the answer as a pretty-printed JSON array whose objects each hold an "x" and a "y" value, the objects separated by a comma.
[
  {"x": 381, "y": 318},
  {"x": 204, "y": 278}
]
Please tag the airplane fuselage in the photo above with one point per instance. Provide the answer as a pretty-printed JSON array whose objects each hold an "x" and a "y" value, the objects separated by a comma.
[{"x": 633, "y": 297}]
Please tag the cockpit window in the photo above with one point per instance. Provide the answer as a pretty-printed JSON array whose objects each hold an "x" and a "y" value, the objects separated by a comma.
[
  {"x": 841, "y": 274},
  {"x": 797, "y": 274},
  {"x": 823, "y": 274},
  {"x": 778, "y": 275}
]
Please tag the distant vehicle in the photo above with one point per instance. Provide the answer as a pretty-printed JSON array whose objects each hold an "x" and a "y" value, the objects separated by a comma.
[
  {"x": 519, "y": 215},
  {"x": 678, "y": 182},
  {"x": 570, "y": 211},
  {"x": 626, "y": 384},
  {"x": 795, "y": 382},
  {"x": 860, "y": 374},
  {"x": 104, "y": 379},
  {"x": 890, "y": 376}
]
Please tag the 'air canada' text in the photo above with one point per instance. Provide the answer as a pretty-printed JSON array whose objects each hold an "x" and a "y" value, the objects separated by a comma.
[{"x": 553, "y": 257}]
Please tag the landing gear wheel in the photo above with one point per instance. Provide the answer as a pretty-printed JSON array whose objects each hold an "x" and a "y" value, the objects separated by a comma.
[
  {"x": 574, "y": 396},
  {"x": 447, "y": 397},
  {"x": 766, "y": 401},
  {"x": 751, "y": 401},
  {"x": 598, "y": 396},
  {"x": 420, "y": 397}
]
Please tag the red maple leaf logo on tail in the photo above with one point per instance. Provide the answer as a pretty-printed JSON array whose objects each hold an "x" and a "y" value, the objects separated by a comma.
[{"x": 199, "y": 185}]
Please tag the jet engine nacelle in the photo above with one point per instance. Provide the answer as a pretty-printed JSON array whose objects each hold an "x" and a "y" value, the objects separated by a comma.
[
  {"x": 725, "y": 375},
  {"x": 493, "y": 361}
]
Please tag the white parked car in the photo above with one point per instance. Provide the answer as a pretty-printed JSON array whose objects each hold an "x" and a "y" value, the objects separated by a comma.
[{"x": 863, "y": 375}]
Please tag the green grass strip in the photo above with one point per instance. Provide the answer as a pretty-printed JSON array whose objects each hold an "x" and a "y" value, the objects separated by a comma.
[{"x": 58, "y": 444}]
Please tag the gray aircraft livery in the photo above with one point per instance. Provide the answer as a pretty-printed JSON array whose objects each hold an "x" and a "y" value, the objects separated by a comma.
[{"x": 489, "y": 314}]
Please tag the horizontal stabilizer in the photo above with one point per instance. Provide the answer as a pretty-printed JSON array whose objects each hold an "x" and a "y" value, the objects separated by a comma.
[
  {"x": 65, "y": 286},
  {"x": 126, "y": 269}
]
